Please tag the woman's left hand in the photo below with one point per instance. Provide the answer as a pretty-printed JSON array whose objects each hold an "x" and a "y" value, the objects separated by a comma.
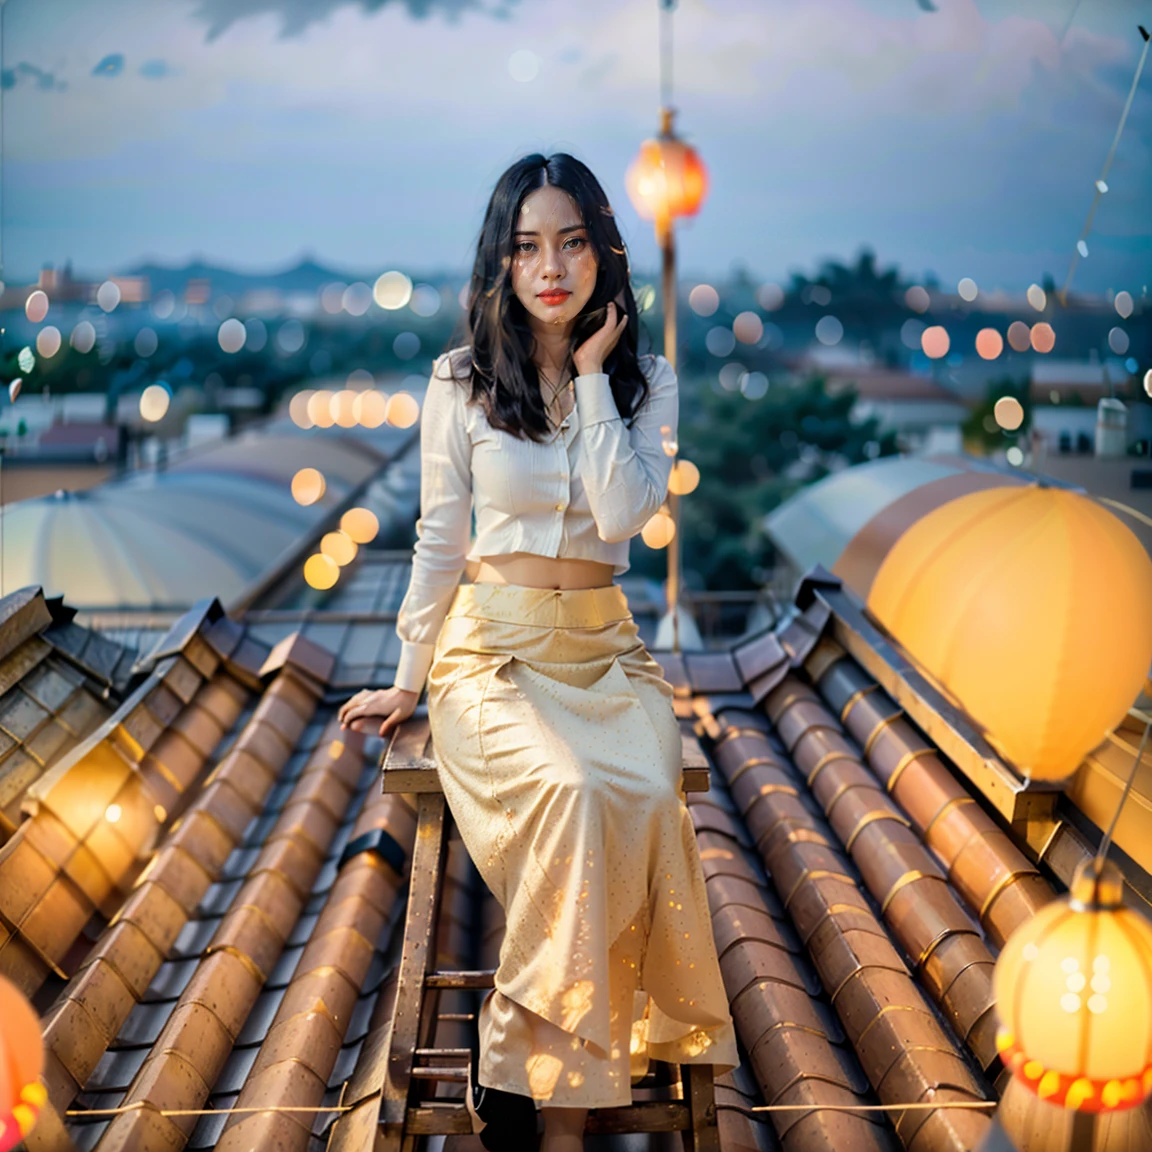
[{"x": 590, "y": 356}]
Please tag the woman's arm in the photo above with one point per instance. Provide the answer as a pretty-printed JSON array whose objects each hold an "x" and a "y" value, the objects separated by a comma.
[
  {"x": 444, "y": 529},
  {"x": 625, "y": 470}
]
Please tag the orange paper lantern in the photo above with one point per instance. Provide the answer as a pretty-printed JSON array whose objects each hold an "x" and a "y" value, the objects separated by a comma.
[
  {"x": 1073, "y": 990},
  {"x": 1030, "y": 606},
  {"x": 21, "y": 1062},
  {"x": 667, "y": 179}
]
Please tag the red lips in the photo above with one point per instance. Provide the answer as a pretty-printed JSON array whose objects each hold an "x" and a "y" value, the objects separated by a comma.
[{"x": 557, "y": 296}]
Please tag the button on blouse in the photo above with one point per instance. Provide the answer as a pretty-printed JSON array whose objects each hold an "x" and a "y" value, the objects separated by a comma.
[{"x": 581, "y": 494}]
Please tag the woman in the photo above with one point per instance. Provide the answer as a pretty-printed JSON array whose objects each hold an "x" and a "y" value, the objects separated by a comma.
[{"x": 555, "y": 740}]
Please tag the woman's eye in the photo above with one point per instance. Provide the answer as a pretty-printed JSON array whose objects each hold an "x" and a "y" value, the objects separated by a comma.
[
  {"x": 524, "y": 245},
  {"x": 576, "y": 240}
]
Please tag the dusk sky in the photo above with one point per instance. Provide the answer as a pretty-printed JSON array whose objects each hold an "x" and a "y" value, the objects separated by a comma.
[{"x": 963, "y": 140}]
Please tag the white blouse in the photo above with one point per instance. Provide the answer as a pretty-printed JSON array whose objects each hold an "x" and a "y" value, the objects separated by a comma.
[{"x": 581, "y": 494}]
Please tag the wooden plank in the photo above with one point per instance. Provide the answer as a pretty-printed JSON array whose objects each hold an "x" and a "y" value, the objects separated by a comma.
[
  {"x": 479, "y": 978},
  {"x": 702, "y": 1134},
  {"x": 649, "y": 1116},
  {"x": 416, "y": 960},
  {"x": 435, "y": 1119},
  {"x": 422, "y": 778},
  {"x": 693, "y": 754}
]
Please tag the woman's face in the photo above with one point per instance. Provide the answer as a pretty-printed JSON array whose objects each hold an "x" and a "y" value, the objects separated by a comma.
[{"x": 553, "y": 262}]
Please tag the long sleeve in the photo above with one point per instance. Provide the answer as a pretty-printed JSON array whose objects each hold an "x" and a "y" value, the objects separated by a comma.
[
  {"x": 625, "y": 470},
  {"x": 443, "y": 531}
]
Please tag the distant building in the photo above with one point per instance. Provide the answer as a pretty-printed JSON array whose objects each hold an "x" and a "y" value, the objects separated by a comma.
[{"x": 924, "y": 415}]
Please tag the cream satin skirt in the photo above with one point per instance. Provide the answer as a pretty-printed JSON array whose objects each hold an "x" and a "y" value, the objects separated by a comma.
[{"x": 560, "y": 759}]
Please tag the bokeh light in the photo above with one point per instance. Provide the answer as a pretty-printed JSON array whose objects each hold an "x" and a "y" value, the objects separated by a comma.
[
  {"x": 231, "y": 336},
  {"x": 659, "y": 530},
  {"x": 360, "y": 378},
  {"x": 670, "y": 445},
  {"x": 989, "y": 343},
  {"x": 14, "y": 388},
  {"x": 341, "y": 407},
  {"x": 753, "y": 385},
  {"x": 730, "y": 376},
  {"x": 392, "y": 290},
  {"x": 36, "y": 306},
  {"x": 1117, "y": 341},
  {"x": 748, "y": 328},
  {"x": 255, "y": 334},
  {"x": 684, "y": 478},
  {"x": 26, "y": 360},
  {"x": 910, "y": 332},
  {"x": 298, "y": 409},
  {"x": 1019, "y": 336},
  {"x": 332, "y": 297},
  {"x": 308, "y": 486},
  {"x": 425, "y": 300},
  {"x": 1043, "y": 337},
  {"x": 108, "y": 295},
  {"x": 406, "y": 345},
  {"x": 770, "y": 297},
  {"x": 48, "y": 341},
  {"x": 704, "y": 300},
  {"x": 370, "y": 408},
  {"x": 720, "y": 341},
  {"x": 83, "y": 337},
  {"x": 1148, "y": 382},
  {"x": 1123, "y": 304},
  {"x": 154, "y": 401},
  {"x": 360, "y": 525},
  {"x": 146, "y": 342},
  {"x": 403, "y": 410},
  {"x": 645, "y": 297},
  {"x": 291, "y": 337},
  {"x": 1037, "y": 297},
  {"x": 829, "y": 330},
  {"x": 917, "y": 298},
  {"x": 340, "y": 546},
  {"x": 1082, "y": 248},
  {"x": 321, "y": 572},
  {"x": 320, "y": 408},
  {"x": 163, "y": 304},
  {"x": 357, "y": 298},
  {"x": 935, "y": 342},
  {"x": 1009, "y": 413},
  {"x": 1014, "y": 456},
  {"x": 967, "y": 289}
]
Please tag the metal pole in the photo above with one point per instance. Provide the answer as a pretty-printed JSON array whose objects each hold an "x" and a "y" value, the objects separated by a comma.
[{"x": 667, "y": 239}]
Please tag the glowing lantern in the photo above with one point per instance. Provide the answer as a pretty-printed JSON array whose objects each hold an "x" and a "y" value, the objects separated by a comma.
[
  {"x": 667, "y": 179},
  {"x": 971, "y": 591},
  {"x": 21, "y": 1062},
  {"x": 1073, "y": 990}
]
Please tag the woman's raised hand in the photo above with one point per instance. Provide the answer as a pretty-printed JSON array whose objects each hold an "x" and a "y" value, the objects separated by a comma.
[
  {"x": 590, "y": 356},
  {"x": 394, "y": 704}
]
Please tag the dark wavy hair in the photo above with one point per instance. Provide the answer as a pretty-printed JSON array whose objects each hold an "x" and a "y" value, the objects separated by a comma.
[{"x": 495, "y": 325}]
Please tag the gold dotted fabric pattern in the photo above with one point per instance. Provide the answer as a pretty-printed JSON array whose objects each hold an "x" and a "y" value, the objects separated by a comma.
[{"x": 560, "y": 758}]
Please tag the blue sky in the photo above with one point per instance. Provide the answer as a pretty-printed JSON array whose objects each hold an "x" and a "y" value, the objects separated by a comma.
[{"x": 368, "y": 133}]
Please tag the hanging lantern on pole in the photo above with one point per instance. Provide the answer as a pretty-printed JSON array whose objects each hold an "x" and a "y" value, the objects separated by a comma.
[
  {"x": 666, "y": 180},
  {"x": 1073, "y": 990}
]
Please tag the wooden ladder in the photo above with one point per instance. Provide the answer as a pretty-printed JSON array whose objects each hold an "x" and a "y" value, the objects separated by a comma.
[{"x": 410, "y": 1059}]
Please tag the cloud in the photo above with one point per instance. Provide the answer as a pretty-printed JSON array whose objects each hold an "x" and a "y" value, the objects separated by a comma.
[
  {"x": 10, "y": 77},
  {"x": 298, "y": 15},
  {"x": 111, "y": 65},
  {"x": 155, "y": 69}
]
